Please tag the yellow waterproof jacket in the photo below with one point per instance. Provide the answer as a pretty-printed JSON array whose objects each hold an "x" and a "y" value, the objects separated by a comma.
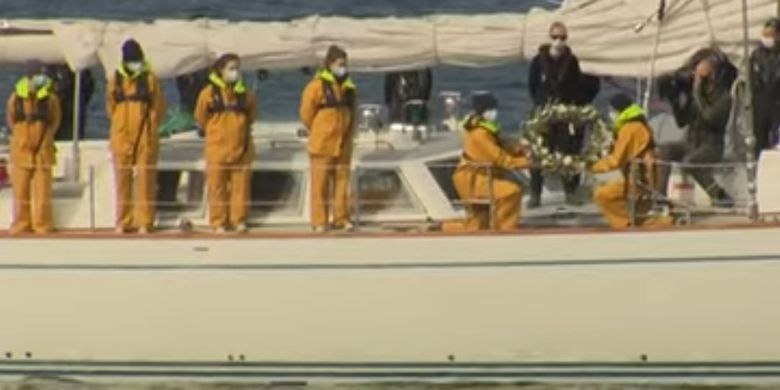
[
  {"x": 328, "y": 111},
  {"x": 226, "y": 113},
  {"x": 33, "y": 118},
  {"x": 634, "y": 142},
  {"x": 481, "y": 149},
  {"x": 135, "y": 104}
]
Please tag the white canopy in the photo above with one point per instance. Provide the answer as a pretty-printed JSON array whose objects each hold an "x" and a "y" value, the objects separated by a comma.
[{"x": 602, "y": 34}]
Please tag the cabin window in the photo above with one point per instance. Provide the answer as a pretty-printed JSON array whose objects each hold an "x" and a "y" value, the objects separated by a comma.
[
  {"x": 382, "y": 190},
  {"x": 275, "y": 191},
  {"x": 442, "y": 171}
]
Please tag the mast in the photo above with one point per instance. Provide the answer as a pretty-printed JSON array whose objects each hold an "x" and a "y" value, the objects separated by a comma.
[
  {"x": 76, "y": 163},
  {"x": 747, "y": 110}
]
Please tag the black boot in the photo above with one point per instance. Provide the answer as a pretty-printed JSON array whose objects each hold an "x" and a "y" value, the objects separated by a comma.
[
  {"x": 721, "y": 198},
  {"x": 535, "y": 201}
]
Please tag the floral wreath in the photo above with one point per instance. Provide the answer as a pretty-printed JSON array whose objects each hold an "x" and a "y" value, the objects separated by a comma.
[{"x": 598, "y": 137}]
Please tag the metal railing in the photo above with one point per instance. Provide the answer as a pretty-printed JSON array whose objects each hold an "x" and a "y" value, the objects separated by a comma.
[
  {"x": 655, "y": 196},
  {"x": 373, "y": 191}
]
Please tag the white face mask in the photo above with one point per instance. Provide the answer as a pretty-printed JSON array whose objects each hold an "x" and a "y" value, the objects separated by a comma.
[
  {"x": 491, "y": 115},
  {"x": 231, "y": 75},
  {"x": 135, "y": 66},
  {"x": 339, "y": 71},
  {"x": 768, "y": 42},
  {"x": 39, "y": 80},
  {"x": 613, "y": 116},
  {"x": 557, "y": 47}
]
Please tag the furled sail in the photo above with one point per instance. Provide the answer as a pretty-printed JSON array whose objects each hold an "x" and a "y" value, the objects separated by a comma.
[{"x": 611, "y": 37}]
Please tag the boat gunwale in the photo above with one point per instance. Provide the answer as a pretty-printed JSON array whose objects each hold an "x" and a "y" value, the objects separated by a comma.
[{"x": 175, "y": 235}]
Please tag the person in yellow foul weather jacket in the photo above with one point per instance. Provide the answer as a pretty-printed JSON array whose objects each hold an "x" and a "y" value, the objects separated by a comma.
[
  {"x": 480, "y": 172},
  {"x": 135, "y": 105},
  {"x": 634, "y": 155},
  {"x": 226, "y": 110},
  {"x": 33, "y": 114},
  {"x": 328, "y": 107}
]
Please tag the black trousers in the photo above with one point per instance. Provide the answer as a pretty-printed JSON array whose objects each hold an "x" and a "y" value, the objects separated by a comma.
[
  {"x": 765, "y": 132},
  {"x": 560, "y": 139},
  {"x": 688, "y": 154}
]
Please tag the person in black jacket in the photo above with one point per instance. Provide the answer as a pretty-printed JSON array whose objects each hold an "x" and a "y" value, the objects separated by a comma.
[
  {"x": 64, "y": 81},
  {"x": 700, "y": 95},
  {"x": 189, "y": 86},
  {"x": 765, "y": 75},
  {"x": 402, "y": 87},
  {"x": 555, "y": 78}
]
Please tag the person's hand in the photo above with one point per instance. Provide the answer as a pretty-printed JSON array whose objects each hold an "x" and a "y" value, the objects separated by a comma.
[
  {"x": 704, "y": 70},
  {"x": 520, "y": 163}
]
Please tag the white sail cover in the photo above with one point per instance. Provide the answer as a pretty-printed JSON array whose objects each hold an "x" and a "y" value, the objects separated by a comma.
[{"x": 602, "y": 33}]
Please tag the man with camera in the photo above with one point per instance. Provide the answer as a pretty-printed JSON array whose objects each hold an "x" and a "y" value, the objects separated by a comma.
[{"x": 700, "y": 95}]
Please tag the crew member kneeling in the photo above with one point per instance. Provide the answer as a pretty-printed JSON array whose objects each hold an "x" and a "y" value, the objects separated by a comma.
[
  {"x": 226, "y": 110},
  {"x": 33, "y": 114},
  {"x": 479, "y": 174},
  {"x": 634, "y": 144}
]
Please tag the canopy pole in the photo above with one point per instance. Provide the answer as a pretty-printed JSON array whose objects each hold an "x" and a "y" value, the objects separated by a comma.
[
  {"x": 747, "y": 100},
  {"x": 654, "y": 56},
  {"x": 76, "y": 155}
]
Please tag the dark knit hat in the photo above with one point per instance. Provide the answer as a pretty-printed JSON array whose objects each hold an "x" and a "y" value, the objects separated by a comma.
[
  {"x": 334, "y": 53},
  {"x": 483, "y": 101},
  {"x": 33, "y": 67},
  {"x": 774, "y": 23},
  {"x": 131, "y": 51},
  {"x": 620, "y": 102}
]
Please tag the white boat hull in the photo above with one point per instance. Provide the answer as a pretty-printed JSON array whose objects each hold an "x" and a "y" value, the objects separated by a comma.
[{"x": 392, "y": 306}]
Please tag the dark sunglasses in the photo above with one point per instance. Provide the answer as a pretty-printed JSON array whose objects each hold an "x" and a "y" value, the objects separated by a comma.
[{"x": 556, "y": 36}]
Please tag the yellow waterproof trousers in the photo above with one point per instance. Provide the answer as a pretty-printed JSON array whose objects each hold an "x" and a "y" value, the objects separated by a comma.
[
  {"x": 229, "y": 192},
  {"x": 330, "y": 189},
  {"x": 611, "y": 200},
  {"x": 139, "y": 177},
  {"x": 473, "y": 186},
  {"x": 32, "y": 199}
]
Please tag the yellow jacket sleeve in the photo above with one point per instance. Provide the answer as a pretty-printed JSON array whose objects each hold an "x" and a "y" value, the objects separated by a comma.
[
  {"x": 202, "y": 106},
  {"x": 493, "y": 152},
  {"x": 157, "y": 110},
  {"x": 55, "y": 114},
  {"x": 619, "y": 155},
  {"x": 9, "y": 111},
  {"x": 310, "y": 100},
  {"x": 110, "y": 102},
  {"x": 251, "y": 101}
]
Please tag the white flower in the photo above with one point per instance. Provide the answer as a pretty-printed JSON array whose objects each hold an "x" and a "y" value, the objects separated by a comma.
[{"x": 568, "y": 160}]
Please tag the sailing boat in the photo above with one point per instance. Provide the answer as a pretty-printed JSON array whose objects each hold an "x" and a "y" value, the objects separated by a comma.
[{"x": 688, "y": 304}]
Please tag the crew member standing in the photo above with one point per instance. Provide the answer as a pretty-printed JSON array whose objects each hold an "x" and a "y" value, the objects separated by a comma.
[
  {"x": 33, "y": 114},
  {"x": 555, "y": 78},
  {"x": 135, "y": 105},
  {"x": 328, "y": 107},
  {"x": 226, "y": 109}
]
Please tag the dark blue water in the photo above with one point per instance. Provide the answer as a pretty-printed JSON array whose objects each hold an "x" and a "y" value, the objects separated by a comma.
[{"x": 279, "y": 94}]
